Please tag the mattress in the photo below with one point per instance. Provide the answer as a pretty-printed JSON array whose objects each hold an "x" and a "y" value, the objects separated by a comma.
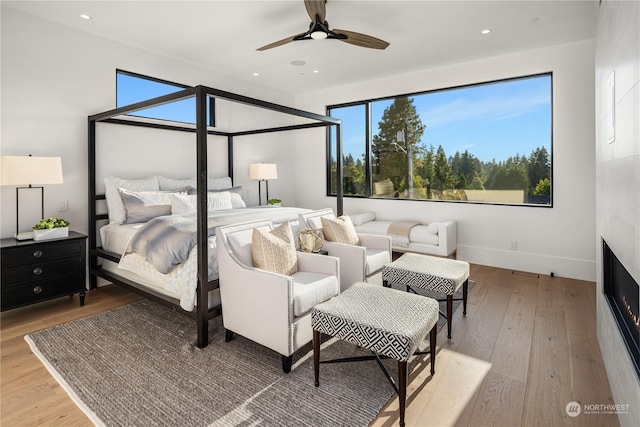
[
  {"x": 115, "y": 238},
  {"x": 181, "y": 283}
]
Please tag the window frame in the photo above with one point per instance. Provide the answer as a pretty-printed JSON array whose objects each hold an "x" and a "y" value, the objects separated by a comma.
[{"x": 369, "y": 137}]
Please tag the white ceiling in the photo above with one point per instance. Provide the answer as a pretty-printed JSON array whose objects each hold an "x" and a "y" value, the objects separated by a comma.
[{"x": 224, "y": 35}]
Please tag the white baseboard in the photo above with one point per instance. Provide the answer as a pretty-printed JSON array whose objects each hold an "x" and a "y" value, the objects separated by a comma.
[{"x": 533, "y": 263}]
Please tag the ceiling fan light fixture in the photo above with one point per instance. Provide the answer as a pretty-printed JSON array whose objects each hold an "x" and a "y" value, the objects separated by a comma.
[{"x": 318, "y": 35}]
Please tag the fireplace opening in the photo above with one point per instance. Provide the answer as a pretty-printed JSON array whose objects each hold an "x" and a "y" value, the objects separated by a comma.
[{"x": 622, "y": 294}]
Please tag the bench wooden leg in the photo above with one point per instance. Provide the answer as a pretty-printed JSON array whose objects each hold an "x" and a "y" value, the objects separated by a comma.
[
  {"x": 316, "y": 357},
  {"x": 402, "y": 389},
  {"x": 432, "y": 347}
]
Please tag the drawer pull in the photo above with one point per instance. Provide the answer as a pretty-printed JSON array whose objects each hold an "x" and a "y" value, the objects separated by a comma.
[
  {"x": 37, "y": 289},
  {"x": 37, "y": 271},
  {"x": 37, "y": 254}
]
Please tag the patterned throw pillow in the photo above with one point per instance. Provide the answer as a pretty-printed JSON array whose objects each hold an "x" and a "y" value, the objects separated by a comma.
[
  {"x": 274, "y": 250},
  {"x": 339, "y": 230}
]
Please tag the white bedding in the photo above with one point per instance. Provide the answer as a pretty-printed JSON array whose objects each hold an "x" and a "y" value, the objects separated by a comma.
[{"x": 181, "y": 283}]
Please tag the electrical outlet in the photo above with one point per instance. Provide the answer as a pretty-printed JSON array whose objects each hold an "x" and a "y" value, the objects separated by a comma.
[
  {"x": 514, "y": 245},
  {"x": 63, "y": 205}
]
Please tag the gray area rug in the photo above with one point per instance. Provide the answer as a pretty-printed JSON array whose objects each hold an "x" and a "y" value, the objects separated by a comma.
[{"x": 138, "y": 365}]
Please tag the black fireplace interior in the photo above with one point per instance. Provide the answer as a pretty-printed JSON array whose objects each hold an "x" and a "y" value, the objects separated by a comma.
[{"x": 621, "y": 291}]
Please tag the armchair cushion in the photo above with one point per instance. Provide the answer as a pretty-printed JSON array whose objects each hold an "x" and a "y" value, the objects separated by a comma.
[
  {"x": 274, "y": 250},
  {"x": 339, "y": 230},
  {"x": 310, "y": 289},
  {"x": 376, "y": 259}
]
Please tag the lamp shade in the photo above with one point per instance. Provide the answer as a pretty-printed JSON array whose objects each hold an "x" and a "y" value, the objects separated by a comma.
[
  {"x": 29, "y": 170},
  {"x": 263, "y": 171}
]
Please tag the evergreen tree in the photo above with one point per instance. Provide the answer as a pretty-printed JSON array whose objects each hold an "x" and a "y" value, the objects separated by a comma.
[
  {"x": 442, "y": 178},
  {"x": 390, "y": 156},
  {"x": 539, "y": 166}
]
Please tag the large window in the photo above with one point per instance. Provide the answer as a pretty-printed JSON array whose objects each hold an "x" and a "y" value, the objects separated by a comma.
[
  {"x": 132, "y": 88},
  {"x": 487, "y": 142}
]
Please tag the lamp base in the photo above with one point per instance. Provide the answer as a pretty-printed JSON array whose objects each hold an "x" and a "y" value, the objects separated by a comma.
[{"x": 25, "y": 235}]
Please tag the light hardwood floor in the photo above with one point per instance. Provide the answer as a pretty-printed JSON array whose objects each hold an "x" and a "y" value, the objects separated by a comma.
[{"x": 526, "y": 348}]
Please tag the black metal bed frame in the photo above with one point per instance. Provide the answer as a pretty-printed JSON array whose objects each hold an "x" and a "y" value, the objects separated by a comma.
[{"x": 202, "y": 313}]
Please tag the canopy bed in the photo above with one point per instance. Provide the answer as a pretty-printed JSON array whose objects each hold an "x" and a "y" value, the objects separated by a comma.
[{"x": 107, "y": 243}]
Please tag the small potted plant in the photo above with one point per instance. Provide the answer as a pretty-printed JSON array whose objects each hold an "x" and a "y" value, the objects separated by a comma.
[
  {"x": 274, "y": 202},
  {"x": 52, "y": 228}
]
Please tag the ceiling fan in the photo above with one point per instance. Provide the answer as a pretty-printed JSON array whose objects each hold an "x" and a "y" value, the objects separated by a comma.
[{"x": 319, "y": 29}]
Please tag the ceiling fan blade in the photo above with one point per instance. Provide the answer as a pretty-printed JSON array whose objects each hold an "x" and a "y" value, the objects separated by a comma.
[
  {"x": 281, "y": 42},
  {"x": 361, "y": 40},
  {"x": 316, "y": 8}
]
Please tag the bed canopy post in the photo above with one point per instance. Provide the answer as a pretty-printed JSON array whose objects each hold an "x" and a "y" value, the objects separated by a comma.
[
  {"x": 230, "y": 157},
  {"x": 203, "y": 255},
  {"x": 93, "y": 259}
]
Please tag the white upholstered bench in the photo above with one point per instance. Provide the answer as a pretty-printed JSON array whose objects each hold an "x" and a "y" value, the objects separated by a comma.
[
  {"x": 441, "y": 275},
  {"x": 386, "y": 321}
]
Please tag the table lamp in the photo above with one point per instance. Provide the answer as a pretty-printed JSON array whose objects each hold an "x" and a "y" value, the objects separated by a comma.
[
  {"x": 263, "y": 172},
  {"x": 29, "y": 172}
]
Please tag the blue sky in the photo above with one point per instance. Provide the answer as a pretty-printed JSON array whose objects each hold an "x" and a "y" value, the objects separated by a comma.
[
  {"x": 492, "y": 121},
  {"x": 132, "y": 89}
]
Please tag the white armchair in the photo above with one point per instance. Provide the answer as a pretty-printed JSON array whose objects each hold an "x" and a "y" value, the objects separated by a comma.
[
  {"x": 269, "y": 308},
  {"x": 357, "y": 263}
]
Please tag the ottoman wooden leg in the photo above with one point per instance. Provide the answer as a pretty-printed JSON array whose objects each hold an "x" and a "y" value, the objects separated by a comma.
[
  {"x": 316, "y": 357},
  {"x": 402, "y": 389},
  {"x": 432, "y": 347},
  {"x": 449, "y": 314}
]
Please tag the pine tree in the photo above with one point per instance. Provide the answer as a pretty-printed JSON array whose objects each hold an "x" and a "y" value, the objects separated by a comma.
[{"x": 390, "y": 156}]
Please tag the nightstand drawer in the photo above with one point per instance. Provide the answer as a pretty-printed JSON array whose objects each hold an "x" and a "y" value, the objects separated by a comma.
[
  {"x": 28, "y": 293},
  {"x": 40, "y": 270},
  {"x": 41, "y": 252}
]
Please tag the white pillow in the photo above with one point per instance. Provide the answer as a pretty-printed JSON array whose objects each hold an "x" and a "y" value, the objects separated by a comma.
[
  {"x": 182, "y": 204},
  {"x": 236, "y": 195},
  {"x": 145, "y": 205},
  {"x": 218, "y": 201},
  {"x": 236, "y": 201},
  {"x": 175, "y": 184},
  {"x": 220, "y": 183},
  {"x": 433, "y": 228},
  {"x": 185, "y": 204},
  {"x": 115, "y": 208},
  {"x": 359, "y": 219}
]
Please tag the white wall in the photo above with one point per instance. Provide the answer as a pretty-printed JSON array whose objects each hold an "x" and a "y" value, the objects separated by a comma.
[
  {"x": 618, "y": 181},
  {"x": 558, "y": 239},
  {"x": 53, "y": 77}
]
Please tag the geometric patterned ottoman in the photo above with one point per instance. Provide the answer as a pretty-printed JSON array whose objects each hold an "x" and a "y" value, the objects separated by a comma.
[
  {"x": 386, "y": 321},
  {"x": 441, "y": 275}
]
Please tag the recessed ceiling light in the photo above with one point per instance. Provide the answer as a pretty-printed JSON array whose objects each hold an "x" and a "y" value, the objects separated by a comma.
[
  {"x": 85, "y": 16},
  {"x": 297, "y": 63},
  {"x": 256, "y": 74},
  {"x": 486, "y": 31},
  {"x": 316, "y": 71}
]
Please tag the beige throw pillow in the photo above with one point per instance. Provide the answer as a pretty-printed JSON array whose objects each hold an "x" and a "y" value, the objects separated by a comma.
[
  {"x": 274, "y": 250},
  {"x": 339, "y": 230}
]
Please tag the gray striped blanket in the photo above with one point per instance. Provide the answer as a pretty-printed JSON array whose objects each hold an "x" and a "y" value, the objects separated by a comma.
[{"x": 166, "y": 241}]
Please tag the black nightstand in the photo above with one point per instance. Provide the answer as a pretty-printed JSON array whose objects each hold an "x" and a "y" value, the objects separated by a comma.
[{"x": 34, "y": 271}]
